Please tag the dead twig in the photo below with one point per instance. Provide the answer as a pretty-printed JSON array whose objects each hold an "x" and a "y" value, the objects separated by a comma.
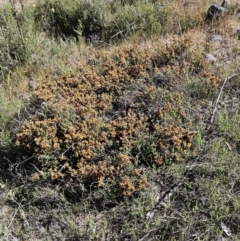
[{"x": 219, "y": 96}]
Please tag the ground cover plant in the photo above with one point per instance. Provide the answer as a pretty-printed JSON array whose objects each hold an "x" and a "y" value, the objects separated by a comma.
[{"x": 132, "y": 137}]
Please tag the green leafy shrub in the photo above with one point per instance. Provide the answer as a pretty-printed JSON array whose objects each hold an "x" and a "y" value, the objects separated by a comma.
[
  {"x": 74, "y": 18},
  {"x": 70, "y": 18},
  {"x": 17, "y": 38}
]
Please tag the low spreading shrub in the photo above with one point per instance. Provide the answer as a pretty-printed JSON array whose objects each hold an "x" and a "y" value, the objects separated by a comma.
[{"x": 105, "y": 122}]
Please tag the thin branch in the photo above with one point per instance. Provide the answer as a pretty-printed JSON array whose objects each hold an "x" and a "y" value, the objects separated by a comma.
[{"x": 219, "y": 96}]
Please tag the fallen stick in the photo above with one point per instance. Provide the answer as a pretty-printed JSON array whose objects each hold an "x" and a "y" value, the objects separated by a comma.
[{"x": 219, "y": 96}]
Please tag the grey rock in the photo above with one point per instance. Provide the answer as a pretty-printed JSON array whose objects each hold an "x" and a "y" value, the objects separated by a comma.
[
  {"x": 216, "y": 11},
  {"x": 210, "y": 58},
  {"x": 214, "y": 38},
  {"x": 32, "y": 84}
]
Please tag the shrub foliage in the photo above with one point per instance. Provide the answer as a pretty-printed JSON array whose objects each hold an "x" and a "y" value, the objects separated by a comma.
[
  {"x": 106, "y": 121},
  {"x": 118, "y": 19}
]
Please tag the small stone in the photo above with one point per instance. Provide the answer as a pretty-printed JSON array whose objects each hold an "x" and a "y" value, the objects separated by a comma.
[
  {"x": 214, "y": 38},
  {"x": 210, "y": 58},
  {"x": 32, "y": 84}
]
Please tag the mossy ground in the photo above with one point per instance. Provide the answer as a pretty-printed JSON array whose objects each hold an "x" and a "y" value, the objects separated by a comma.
[{"x": 116, "y": 142}]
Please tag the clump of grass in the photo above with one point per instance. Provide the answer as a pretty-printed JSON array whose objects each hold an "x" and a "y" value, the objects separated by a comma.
[
  {"x": 9, "y": 106},
  {"x": 18, "y": 37},
  {"x": 227, "y": 123}
]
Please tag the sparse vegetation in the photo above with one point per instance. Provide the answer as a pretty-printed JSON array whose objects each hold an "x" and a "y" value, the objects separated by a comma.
[{"x": 117, "y": 140}]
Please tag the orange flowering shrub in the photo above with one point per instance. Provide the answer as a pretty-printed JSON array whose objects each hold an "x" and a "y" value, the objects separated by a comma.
[
  {"x": 180, "y": 55},
  {"x": 103, "y": 122},
  {"x": 214, "y": 79}
]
